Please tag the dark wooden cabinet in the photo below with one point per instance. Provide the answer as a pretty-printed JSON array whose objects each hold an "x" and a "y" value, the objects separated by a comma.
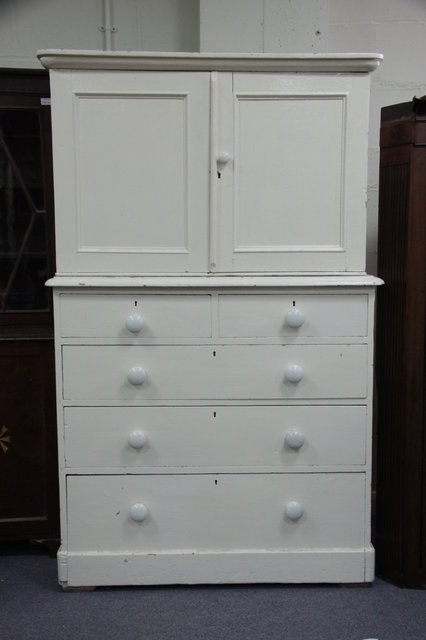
[
  {"x": 28, "y": 508},
  {"x": 28, "y": 445},
  {"x": 400, "y": 347}
]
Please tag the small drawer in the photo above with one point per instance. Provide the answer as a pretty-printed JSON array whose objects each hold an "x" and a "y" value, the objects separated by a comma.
[
  {"x": 153, "y": 514},
  {"x": 145, "y": 373},
  {"x": 143, "y": 438},
  {"x": 279, "y": 316},
  {"x": 145, "y": 317}
]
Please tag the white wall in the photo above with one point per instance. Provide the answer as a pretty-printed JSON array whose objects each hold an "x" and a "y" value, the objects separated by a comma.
[
  {"x": 396, "y": 28},
  {"x": 29, "y": 25},
  {"x": 264, "y": 25}
]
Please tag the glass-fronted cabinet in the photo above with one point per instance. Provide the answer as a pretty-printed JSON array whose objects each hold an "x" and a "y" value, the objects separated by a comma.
[{"x": 28, "y": 468}]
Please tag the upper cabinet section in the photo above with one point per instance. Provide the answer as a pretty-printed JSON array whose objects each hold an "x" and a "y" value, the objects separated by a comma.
[{"x": 194, "y": 164}]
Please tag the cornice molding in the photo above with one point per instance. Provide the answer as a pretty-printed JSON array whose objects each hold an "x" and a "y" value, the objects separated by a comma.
[{"x": 163, "y": 61}]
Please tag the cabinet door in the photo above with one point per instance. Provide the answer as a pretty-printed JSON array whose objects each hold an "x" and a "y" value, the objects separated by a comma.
[
  {"x": 131, "y": 155},
  {"x": 292, "y": 195}
]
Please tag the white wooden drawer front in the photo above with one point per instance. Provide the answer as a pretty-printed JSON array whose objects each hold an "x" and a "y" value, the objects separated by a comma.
[
  {"x": 98, "y": 373},
  {"x": 292, "y": 315},
  {"x": 141, "y": 438},
  {"x": 214, "y": 512},
  {"x": 138, "y": 316}
]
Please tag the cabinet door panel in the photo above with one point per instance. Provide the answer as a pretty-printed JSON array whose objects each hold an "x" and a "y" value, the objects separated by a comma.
[
  {"x": 292, "y": 197},
  {"x": 133, "y": 149}
]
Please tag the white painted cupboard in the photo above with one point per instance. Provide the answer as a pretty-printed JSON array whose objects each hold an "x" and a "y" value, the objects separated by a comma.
[
  {"x": 195, "y": 171},
  {"x": 213, "y": 317}
]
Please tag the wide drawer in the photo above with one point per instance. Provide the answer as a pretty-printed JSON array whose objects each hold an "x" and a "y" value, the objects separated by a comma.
[
  {"x": 99, "y": 373},
  {"x": 322, "y": 315},
  {"x": 143, "y": 438},
  {"x": 215, "y": 512},
  {"x": 145, "y": 317}
]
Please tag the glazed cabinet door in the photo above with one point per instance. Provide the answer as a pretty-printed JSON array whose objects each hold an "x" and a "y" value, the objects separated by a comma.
[
  {"x": 291, "y": 194},
  {"x": 131, "y": 153}
]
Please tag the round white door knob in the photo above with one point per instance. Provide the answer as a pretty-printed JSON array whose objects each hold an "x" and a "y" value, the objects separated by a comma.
[
  {"x": 223, "y": 158},
  {"x": 136, "y": 439},
  {"x": 294, "y": 318},
  {"x": 134, "y": 323},
  {"x": 294, "y": 439},
  {"x": 293, "y": 510},
  {"x": 294, "y": 373},
  {"x": 136, "y": 375},
  {"x": 138, "y": 512}
]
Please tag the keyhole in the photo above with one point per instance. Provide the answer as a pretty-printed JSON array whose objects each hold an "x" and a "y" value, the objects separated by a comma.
[
  {"x": 218, "y": 174},
  {"x": 136, "y": 303},
  {"x": 214, "y": 354},
  {"x": 294, "y": 303}
]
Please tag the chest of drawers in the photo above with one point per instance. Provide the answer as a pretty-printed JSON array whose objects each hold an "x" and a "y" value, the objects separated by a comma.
[
  {"x": 213, "y": 317},
  {"x": 240, "y": 454}
]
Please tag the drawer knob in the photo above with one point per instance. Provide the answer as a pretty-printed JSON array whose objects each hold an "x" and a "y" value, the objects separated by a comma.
[
  {"x": 136, "y": 375},
  {"x": 136, "y": 439},
  {"x": 134, "y": 323},
  {"x": 293, "y": 510},
  {"x": 294, "y": 439},
  {"x": 138, "y": 512},
  {"x": 294, "y": 373},
  {"x": 294, "y": 318}
]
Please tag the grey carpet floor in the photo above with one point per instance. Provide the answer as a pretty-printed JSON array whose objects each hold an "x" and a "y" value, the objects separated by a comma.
[{"x": 33, "y": 607}]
